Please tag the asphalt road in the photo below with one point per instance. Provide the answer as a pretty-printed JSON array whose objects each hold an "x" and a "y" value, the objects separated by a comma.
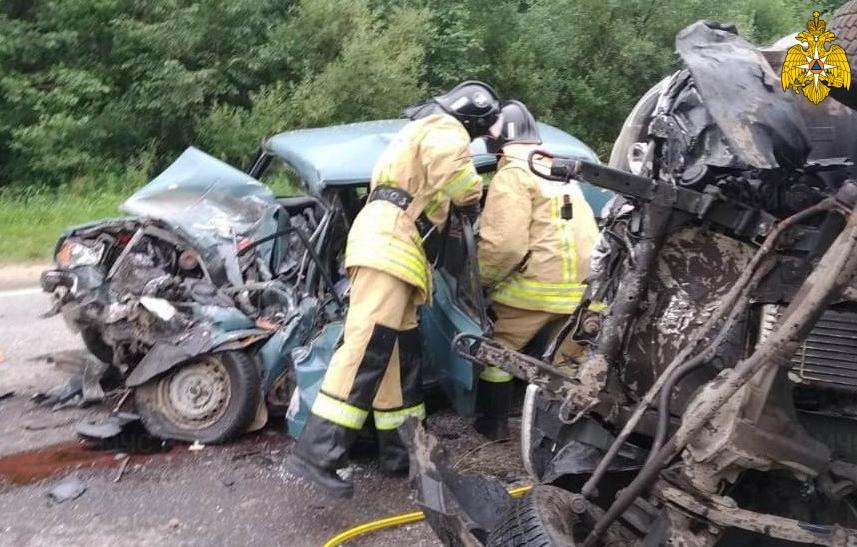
[{"x": 233, "y": 495}]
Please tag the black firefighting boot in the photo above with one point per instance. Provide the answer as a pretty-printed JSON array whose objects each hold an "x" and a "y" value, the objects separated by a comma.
[
  {"x": 392, "y": 454},
  {"x": 493, "y": 402},
  {"x": 322, "y": 449}
]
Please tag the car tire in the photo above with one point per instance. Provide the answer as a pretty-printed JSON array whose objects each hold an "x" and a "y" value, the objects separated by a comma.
[
  {"x": 541, "y": 518},
  {"x": 96, "y": 345},
  {"x": 844, "y": 23},
  {"x": 211, "y": 399}
]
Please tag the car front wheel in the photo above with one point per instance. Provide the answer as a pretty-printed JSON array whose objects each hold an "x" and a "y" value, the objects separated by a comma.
[{"x": 211, "y": 399}]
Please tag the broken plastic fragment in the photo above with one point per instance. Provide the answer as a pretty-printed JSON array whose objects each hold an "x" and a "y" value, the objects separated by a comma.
[
  {"x": 123, "y": 432},
  {"x": 111, "y": 426},
  {"x": 158, "y": 306},
  {"x": 69, "y": 488},
  {"x": 196, "y": 446}
]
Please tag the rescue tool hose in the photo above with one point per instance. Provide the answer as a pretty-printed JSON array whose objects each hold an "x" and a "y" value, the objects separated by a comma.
[{"x": 395, "y": 520}]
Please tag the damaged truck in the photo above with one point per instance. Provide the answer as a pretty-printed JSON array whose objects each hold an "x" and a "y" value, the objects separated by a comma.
[
  {"x": 216, "y": 303},
  {"x": 716, "y": 402}
]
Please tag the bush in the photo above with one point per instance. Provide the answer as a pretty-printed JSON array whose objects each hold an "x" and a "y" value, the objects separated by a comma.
[{"x": 90, "y": 86}]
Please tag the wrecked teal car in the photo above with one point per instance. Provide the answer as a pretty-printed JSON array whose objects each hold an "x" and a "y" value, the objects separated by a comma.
[
  {"x": 334, "y": 165},
  {"x": 186, "y": 303},
  {"x": 218, "y": 304}
]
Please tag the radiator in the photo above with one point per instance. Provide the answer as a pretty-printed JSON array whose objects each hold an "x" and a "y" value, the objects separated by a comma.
[{"x": 828, "y": 356}]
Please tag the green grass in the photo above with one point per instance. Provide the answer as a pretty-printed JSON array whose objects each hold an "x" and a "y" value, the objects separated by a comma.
[
  {"x": 31, "y": 222},
  {"x": 32, "y": 218}
]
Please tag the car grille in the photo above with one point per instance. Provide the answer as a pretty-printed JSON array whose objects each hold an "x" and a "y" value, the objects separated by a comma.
[{"x": 828, "y": 356}]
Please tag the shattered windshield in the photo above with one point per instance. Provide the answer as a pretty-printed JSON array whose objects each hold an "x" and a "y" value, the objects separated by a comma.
[{"x": 209, "y": 199}]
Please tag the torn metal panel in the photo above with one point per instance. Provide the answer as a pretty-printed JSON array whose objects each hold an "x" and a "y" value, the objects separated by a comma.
[
  {"x": 763, "y": 129},
  {"x": 275, "y": 354},
  {"x": 210, "y": 199},
  {"x": 201, "y": 339},
  {"x": 310, "y": 364},
  {"x": 461, "y": 509}
]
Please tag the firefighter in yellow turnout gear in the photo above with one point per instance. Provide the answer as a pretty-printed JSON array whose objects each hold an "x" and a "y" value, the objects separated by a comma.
[
  {"x": 377, "y": 371},
  {"x": 535, "y": 240}
]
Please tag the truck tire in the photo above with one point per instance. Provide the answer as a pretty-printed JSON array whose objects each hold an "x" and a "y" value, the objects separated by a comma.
[
  {"x": 211, "y": 399},
  {"x": 541, "y": 518},
  {"x": 843, "y": 22}
]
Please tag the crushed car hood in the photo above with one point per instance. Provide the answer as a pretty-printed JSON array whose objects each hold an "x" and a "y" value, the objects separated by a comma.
[{"x": 210, "y": 201}]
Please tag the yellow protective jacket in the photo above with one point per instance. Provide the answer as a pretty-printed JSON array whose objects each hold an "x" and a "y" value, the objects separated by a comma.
[
  {"x": 529, "y": 254},
  {"x": 430, "y": 159}
]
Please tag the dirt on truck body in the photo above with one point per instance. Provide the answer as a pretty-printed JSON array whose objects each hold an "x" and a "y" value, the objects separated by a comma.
[{"x": 716, "y": 403}]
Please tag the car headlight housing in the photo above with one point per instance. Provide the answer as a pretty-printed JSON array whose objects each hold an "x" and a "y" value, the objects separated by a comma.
[{"x": 74, "y": 253}]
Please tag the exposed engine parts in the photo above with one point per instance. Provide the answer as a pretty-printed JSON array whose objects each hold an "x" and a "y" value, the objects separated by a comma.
[{"x": 724, "y": 360}]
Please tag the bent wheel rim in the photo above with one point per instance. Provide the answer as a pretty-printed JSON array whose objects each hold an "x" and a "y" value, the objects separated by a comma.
[{"x": 197, "y": 395}]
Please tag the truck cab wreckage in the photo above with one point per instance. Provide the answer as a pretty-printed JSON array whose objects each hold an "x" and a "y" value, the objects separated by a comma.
[{"x": 716, "y": 403}]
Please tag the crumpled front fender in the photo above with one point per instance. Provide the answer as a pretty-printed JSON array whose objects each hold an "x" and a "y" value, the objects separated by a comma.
[{"x": 167, "y": 355}]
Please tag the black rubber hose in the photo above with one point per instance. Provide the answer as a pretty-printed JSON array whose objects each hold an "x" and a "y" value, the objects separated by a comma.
[
  {"x": 664, "y": 398},
  {"x": 313, "y": 255},
  {"x": 257, "y": 242}
]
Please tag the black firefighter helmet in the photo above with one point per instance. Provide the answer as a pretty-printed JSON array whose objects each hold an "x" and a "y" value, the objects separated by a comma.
[
  {"x": 518, "y": 126},
  {"x": 475, "y": 104}
]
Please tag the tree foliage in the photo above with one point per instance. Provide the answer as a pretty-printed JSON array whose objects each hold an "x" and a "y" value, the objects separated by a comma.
[{"x": 119, "y": 86}]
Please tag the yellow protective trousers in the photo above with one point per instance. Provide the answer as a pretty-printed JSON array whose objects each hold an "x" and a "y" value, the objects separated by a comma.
[
  {"x": 514, "y": 329},
  {"x": 378, "y": 369}
]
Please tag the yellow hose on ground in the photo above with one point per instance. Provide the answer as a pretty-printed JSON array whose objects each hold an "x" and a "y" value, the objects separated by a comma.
[{"x": 395, "y": 520}]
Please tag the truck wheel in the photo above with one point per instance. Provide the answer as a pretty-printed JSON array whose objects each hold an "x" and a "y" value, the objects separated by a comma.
[
  {"x": 212, "y": 399},
  {"x": 844, "y": 23},
  {"x": 541, "y": 518},
  {"x": 97, "y": 346}
]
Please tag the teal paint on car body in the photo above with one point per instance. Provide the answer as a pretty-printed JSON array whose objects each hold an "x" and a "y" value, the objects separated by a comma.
[
  {"x": 310, "y": 365},
  {"x": 439, "y": 324},
  {"x": 344, "y": 155}
]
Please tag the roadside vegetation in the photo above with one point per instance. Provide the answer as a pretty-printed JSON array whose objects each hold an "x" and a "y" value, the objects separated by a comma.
[
  {"x": 31, "y": 221},
  {"x": 98, "y": 95}
]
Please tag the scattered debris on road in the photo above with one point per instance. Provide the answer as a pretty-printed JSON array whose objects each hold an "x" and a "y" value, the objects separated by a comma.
[
  {"x": 69, "y": 488},
  {"x": 122, "y": 466},
  {"x": 196, "y": 446},
  {"x": 123, "y": 432}
]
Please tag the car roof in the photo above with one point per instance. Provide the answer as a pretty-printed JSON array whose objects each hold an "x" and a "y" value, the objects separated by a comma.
[{"x": 343, "y": 155}]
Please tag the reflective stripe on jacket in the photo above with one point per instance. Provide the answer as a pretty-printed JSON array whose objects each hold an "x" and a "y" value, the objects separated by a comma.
[
  {"x": 523, "y": 221},
  {"x": 430, "y": 159}
]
